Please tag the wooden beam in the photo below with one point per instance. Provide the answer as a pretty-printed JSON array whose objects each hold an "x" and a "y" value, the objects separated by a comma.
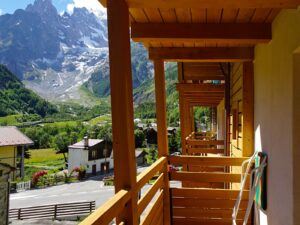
[
  {"x": 204, "y": 54},
  {"x": 202, "y": 71},
  {"x": 248, "y": 109},
  {"x": 185, "y": 88},
  {"x": 145, "y": 32},
  {"x": 190, "y": 97},
  {"x": 231, "y": 4},
  {"x": 203, "y": 104},
  {"x": 122, "y": 105}
]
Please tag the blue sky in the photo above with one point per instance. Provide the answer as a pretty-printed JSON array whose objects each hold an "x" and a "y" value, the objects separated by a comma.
[{"x": 9, "y": 6}]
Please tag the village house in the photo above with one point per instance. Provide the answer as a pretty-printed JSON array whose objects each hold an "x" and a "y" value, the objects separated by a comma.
[
  {"x": 12, "y": 146},
  {"x": 94, "y": 154},
  {"x": 140, "y": 157}
]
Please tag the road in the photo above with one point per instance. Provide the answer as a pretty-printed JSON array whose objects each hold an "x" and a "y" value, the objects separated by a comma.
[{"x": 90, "y": 190}]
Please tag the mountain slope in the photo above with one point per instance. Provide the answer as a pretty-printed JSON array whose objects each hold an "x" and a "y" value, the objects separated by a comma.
[
  {"x": 54, "y": 54},
  {"x": 15, "y": 98},
  {"x": 142, "y": 72}
]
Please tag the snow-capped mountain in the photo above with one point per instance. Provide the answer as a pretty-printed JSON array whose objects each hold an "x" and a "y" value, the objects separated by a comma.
[{"x": 55, "y": 54}]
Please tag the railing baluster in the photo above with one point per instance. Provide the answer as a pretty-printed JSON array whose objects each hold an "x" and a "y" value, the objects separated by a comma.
[
  {"x": 19, "y": 214},
  {"x": 55, "y": 212}
]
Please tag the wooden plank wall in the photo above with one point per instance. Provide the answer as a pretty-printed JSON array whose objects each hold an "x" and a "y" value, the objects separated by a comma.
[
  {"x": 236, "y": 110},
  {"x": 241, "y": 112},
  {"x": 236, "y": 115}
]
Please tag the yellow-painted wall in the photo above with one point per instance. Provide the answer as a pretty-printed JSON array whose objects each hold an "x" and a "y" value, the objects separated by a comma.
[
  {"x": 8, "y": 155},
  {"x": 276, "y": 110}
]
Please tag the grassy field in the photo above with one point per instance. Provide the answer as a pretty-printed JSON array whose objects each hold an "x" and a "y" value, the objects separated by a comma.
[
  {"x": 43, "y": 159},
  {"x": 62, "y": 124},
  {"x": 10, "y": 120},
  {"x": 104, "y": 119}
]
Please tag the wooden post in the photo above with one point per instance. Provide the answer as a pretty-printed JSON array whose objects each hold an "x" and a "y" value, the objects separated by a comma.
[
  {"x": 55, "y": 212},
  {"x": 19, "y": 213},
  {"x": 91, "y": 208},
  {"x": 122, "y": 106},
  {"x": 161, "y": 108},
  {"x": 22, "y": 163},
  {"x": 248, "y": 109},
  {"x": 192, "y": 116},
  {"x": 162, "y": 132},
  {"x": 182, "y": 122},
  {"x": 188, "y": 119},
  {"x": 180, "y": 72},
  {"x": 227, "y": 111}
]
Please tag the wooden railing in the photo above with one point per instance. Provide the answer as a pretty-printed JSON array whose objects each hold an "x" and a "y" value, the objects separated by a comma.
[
  {"x": 151, "y": 207},
  {"x": 214, "y": 201},
  {"x": 56, "y": 211},
  {"x": 203, "y": 143},
  {"x": 203, "y": 135}
]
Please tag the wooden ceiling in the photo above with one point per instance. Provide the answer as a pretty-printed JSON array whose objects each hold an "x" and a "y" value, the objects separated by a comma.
[
  {"x": 203, "y": 23},
  {"x": 209, "y": 3}
]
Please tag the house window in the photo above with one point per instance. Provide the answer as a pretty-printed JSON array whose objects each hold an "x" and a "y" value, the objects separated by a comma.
[{"x": 93, "y": 154}]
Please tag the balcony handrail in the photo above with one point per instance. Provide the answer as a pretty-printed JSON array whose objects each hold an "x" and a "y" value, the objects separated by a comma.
[
  {"x": 206, "y": 160},
  {"x": 115, "y": 205},
  {"x": 147, "y": 174},
  {"x": 109, "y": 210},
  {"x": 203, "y": 135},
  {"x": 145, "y": 200}
]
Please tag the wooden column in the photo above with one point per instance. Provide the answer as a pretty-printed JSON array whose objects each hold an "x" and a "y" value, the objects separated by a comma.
[
  {"x": 122, "y": 105},
  {"x": 181, "y": 107},
  {"x": 188, "y": 119},
  {"x": 161, "y": 108},
  {"x": 162, "y": 132},
  {"x": 227, "y": 110},
  {"x": 22, "y": 173},
  {"x": 182, "y": 122},
  {"x": 192, "y": 116},
  {"x": 248, "y": 109}
]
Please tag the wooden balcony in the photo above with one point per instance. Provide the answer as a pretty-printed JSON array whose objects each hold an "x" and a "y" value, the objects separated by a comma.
[
  {"x": 186, "y": 205},
  {"x": 223, "y": 49},
  {"x": 150, "y": 207},
  {"x": 203, "y": 143}
]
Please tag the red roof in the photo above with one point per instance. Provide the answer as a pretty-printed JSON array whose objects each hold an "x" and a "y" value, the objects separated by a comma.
[{"x": 11, "y": 136}]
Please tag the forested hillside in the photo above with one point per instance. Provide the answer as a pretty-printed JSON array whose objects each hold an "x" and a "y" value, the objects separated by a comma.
[
  {"x": 15, "y": 98},
  {"x": 144, "y": 97}
]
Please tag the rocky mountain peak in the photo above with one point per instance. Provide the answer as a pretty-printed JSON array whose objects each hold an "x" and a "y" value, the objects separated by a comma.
[
  {"x": 80, "y": 12},
  {"x": 55, "y": 54},
  {"x": 42, "y": 7}
]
